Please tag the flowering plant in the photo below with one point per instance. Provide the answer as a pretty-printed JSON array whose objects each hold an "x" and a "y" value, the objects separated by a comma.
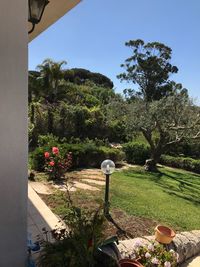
[
  {"x": 154, "y": 254},
  {"x": 57, "y": 165}
]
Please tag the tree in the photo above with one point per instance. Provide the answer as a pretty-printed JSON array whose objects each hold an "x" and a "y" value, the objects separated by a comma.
[
  {"x": 80, "y": 76},
  {"x": 51, "y": 76},
  {"x": 148, "y": 67},
  {"x": 164, "y": 122}
]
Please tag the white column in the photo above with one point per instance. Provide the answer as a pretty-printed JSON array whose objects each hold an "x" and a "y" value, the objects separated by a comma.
[{"x": 13, "y": 132}]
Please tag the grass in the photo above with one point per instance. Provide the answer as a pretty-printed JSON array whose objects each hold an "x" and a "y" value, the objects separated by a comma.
[{"x": 171, "y": 196}]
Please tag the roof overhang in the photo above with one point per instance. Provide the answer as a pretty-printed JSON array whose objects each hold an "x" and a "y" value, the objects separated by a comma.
[{"x": 53, "y": 11}]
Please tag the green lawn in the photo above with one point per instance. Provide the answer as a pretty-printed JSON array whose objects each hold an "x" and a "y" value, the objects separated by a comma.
[{"x": 171, "y": 196}]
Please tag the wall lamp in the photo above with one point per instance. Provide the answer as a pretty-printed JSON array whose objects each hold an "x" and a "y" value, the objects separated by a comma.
[{"x": 35, "y": 11}]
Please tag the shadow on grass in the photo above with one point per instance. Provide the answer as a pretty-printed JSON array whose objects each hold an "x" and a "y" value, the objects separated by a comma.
[{"x": 181, "y": 184}]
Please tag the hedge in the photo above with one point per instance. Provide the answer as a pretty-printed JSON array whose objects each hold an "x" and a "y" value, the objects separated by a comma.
[
  {"x": 188, "y": 164},
  {"x": 84, "y": 155},
  {"x": 136, "y": 152}
]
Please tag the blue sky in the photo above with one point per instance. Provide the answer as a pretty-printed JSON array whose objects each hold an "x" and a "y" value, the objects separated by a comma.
[{"x": 92, "y": 36}]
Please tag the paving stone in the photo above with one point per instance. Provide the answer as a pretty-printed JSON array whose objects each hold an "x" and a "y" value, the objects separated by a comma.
[
  {"x": 92, "y": 181},
  {"x": 85, "y": 186},
  {"x": 41, "y": 188}
]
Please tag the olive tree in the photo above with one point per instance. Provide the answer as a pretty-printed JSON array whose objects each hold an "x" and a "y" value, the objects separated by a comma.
[{"x": 165, "y": 122}]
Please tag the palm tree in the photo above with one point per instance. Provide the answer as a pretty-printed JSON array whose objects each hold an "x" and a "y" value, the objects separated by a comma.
[{"x": 51, "y": 78}]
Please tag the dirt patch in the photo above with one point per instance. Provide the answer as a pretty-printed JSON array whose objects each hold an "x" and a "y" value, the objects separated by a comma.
[{"x": 133, "y": 225}]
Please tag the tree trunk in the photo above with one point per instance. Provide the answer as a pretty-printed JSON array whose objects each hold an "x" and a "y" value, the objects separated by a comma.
[
  {"x": 50, "y": 120},
  {"x": 151, "y": 164},
  {"x": 32, "y": 115}
]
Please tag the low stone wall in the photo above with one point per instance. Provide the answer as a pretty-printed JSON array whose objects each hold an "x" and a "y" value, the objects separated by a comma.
[{"x": 186, "y": 244}]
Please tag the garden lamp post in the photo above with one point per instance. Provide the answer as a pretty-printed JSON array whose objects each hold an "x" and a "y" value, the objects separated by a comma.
[
  {"x": 108, "y": 167},
  {"x": 35, "y": 11}
]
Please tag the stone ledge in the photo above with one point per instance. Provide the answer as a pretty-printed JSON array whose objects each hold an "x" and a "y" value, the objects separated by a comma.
[{"x": 186, "y": 244}]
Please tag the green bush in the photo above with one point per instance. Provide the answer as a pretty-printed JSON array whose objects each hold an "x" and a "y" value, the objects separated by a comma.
[
  {"x": 136, "y": 153},
  {"x": 83, "y": 155},
  {"x": 188, "y": 164}
]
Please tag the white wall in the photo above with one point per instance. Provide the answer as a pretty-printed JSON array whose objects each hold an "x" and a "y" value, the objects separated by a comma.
[{"x": 13, "y": 132}]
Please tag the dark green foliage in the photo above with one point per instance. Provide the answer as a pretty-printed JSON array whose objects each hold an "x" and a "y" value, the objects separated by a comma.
[
  {"x": 186, "y": 149},
  {"x": 188, "y": 164},
  {"x": 83, "y": 155},
  {"x": 81, "y": 76},
  {"x": 148, "y": 67},
  {"x": 37, "y": 159},
  {"x": 76, "y": 247},
  {"x": 136, "y": 153},
  {"x": 70, "y": 103}
]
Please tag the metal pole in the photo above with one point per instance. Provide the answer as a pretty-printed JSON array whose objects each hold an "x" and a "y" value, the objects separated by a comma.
[{"x": 106, "y": 204}]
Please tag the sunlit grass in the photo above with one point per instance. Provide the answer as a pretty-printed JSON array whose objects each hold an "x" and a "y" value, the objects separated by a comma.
[{"x": 170, "y": 196}]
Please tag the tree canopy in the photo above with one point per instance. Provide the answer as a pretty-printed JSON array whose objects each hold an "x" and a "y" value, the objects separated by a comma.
[{"x": 149, "y": 68}]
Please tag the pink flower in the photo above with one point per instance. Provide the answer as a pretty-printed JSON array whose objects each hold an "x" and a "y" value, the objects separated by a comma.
[
  {"x": 155, "y": 261},
  {"x": 167, "y": 264},
  {"x": 147, "y": 255},
  {"x": 55, "y": 150},
  {"x": 46, "y": 155},
  {"x": 137, "y": 244},
  {"x": 51, "y": 163},
  {"x": 151, "y": 247}
]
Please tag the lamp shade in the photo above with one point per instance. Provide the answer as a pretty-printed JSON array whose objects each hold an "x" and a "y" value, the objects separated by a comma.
[
  {"x": 36, "y": 9},
  {"x": 108, "y": 166}
]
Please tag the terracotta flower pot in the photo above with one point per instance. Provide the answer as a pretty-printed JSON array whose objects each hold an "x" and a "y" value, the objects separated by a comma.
[
  {"x": 129, "y": 263},
  {"x": 164, "y": 234}
]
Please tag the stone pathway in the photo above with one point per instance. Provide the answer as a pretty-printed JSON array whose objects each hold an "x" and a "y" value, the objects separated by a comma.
[
  {"x": 85, "y": 186},
  {"x": 93, "y": 181}
]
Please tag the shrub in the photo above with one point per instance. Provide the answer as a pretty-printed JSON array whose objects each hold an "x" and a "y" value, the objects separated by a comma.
[
  {"x": 83, "y": 155},
  {"x": 188, "y": 164},
  {"x": 48, "y": 140},
  {"x": 37, "y": 160},
  {"x": 136, "y": 152},
  {"x": 89, "y": 155},
  {"x": 56, "y": 164},
  {"x": 188, "y": 149}
]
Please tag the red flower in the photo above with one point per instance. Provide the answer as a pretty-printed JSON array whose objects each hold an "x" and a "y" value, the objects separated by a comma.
[
  {"x": 55, "y": 150},
  {"x": 46, "y": 155},
  {"x": 90, "y": 243},
  {"x": 51, "y": 163}
]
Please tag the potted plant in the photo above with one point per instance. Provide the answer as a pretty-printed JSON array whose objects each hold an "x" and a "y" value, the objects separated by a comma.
[
  {"x": 154, "y": 254},
  {"x": 164, "y": 234},
  {"x": 130, "y": 263}
]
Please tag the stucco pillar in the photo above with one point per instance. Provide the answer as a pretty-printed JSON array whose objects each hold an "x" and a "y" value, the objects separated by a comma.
[{"x": 13, "y": 132}]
